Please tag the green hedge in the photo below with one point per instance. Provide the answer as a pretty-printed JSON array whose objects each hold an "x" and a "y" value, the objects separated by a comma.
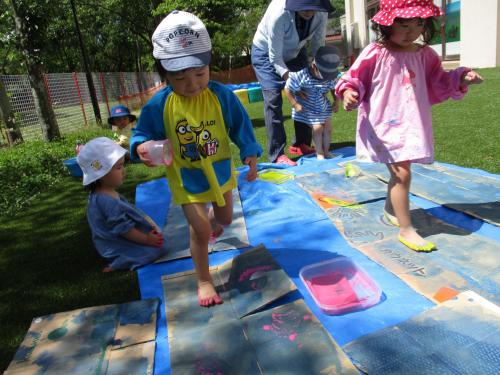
[{"x": 31, "y": 167}]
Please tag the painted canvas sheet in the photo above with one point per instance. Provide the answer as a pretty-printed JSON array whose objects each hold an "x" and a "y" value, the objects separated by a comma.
[
  {"x": 463, "y": 261},
  {"x": 290, "y": 340},
  {"x": 176, "y": 233},
  {"x": 332, "y": 187},
  {"x": 136, "y": 359},
  {"x": 476, "y": 195},
  {"x": 80, "y": 341},
  {"x": 468, "y": 324}
]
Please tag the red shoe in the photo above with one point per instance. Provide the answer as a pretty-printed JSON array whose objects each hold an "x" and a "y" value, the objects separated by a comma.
[
  {"x": 306, "y": 150},
  {"x": 283, "y": 159},
  {"x": 294, "y": 150},
  {"x": 301, "y": 149}
]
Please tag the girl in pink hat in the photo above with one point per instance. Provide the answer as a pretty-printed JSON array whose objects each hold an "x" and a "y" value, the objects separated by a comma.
[{"x": 394, "y": 82}]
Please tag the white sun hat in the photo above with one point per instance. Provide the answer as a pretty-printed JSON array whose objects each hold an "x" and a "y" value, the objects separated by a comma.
[
  {"x": 97, "y": 157},
  {"x": 181, "y": 41}
]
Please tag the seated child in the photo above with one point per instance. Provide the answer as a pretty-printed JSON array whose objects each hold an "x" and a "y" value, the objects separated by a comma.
[
  {"x": 199, "y": 117},
  {"x": 121, "y": 121},
  {"x": 122, "y": 234},
  {"x": 306, "y": 91}
]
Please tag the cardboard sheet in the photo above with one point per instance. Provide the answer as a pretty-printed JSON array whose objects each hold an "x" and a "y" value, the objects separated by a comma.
[
  {"x": 460, "y": 336},
  {"x": 81, "y": 341},
  {"x": 176, "y": 233}
]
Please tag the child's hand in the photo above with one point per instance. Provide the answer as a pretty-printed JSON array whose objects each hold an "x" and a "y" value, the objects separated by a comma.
[
  {"x": 471, "y": 78},
  {"x": 251, "y": 161},
  {"x": 302, "y": 94},
  {"x": 350, "y": 99},
  {"x": 143, "y": 154},
  {"x": 335, "y": 106},
  {"x": 154, "y": 239},
  {"x": 298, "y": 107}
]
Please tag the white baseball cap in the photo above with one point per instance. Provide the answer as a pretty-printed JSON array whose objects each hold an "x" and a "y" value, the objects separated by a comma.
[
  {"x": 97, "y": 157},
  {"x": 181, "y": 41}
]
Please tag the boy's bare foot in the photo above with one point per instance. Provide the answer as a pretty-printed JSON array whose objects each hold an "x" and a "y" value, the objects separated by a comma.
[
  {"x": 207, "y": 296},
  {"x": 216, "y": 233},
  {"x": 320, "y": 157}
]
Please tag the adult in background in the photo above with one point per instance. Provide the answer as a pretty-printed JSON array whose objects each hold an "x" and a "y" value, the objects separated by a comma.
[{"x": 279, "y": 46}]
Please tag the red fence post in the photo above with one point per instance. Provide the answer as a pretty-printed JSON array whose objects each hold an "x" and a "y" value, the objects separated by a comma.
[
  {"x": 104, "y": 92},
  {"x": 122, "y": 85},
  {"x": 75, "y": 79}
]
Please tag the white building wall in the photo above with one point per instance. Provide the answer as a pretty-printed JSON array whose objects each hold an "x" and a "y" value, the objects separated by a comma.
[{"x": 480, "y": 33}]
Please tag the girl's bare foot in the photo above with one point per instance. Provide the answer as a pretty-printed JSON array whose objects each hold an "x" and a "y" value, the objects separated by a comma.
[
  {"x": 320, "y": 157},
  {"x": 414, "y": 241},
  {"x": 107, "y": 269},
  {"x": 207, "y": 296}
]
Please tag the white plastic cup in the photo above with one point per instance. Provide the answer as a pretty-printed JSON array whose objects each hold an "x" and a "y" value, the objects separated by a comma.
[{"x": 160, "y": 152}]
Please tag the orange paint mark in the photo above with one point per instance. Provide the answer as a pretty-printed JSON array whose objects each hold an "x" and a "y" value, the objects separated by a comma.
[{"x": 444, "y": 294}]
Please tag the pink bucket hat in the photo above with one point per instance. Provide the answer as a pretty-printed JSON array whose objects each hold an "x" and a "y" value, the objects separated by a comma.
[{"x": 391, "y": 9}]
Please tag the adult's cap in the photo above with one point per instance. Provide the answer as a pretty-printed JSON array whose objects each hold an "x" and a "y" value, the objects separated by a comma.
[
  {"x": 303, "y": 5},
  {"x": 181, "y": 41}
]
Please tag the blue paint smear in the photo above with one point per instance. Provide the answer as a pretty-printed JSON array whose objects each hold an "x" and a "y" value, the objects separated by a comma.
[
  {"x": 138, "y": 312},
  {"x": 137, "y": 366}
]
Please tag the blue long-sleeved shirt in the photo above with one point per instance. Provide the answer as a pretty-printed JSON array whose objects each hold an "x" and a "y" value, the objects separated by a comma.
[
  {"x": 277, "y": 34},
  {"x": 150, "y": 125}
]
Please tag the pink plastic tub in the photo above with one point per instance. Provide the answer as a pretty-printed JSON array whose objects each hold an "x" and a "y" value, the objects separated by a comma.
[{"x": 339, "y": 286}]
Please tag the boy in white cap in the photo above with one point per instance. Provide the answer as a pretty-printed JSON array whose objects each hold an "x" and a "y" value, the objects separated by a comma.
[
  {"x": 126, "y": 237},
  {"x": 197, "y": 115},
  {"x": 314, "y": 109}
]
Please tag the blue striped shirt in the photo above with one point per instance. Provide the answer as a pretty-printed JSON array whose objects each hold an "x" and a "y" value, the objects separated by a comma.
[{"x": 316, "y": 108}]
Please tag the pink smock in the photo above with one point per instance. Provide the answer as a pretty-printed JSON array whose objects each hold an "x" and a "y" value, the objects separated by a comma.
[{"x": 396, "y": 91}]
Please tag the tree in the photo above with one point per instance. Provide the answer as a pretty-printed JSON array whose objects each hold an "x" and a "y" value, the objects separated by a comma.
[
  {"x": 7, "y": 115},
  {"x": 26, "y": 21}
]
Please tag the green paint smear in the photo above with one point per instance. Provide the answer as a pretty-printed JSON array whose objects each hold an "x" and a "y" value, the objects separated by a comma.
[{"x": 57, "y": 333}]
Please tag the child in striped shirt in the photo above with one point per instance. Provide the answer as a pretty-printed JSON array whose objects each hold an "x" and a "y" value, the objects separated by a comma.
[{"x": 307, "y": 92}]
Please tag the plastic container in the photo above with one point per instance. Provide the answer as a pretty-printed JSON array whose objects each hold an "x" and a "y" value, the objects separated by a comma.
[
  {"x": 160, "y": 152},
  {"x": 73, "y": 167},
  {"x": 339, "y": 286},
  {"x": 255, "y": 95}
]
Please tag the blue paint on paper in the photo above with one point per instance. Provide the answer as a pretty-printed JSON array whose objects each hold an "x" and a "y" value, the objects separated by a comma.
[{"x": 138, "y": 312}]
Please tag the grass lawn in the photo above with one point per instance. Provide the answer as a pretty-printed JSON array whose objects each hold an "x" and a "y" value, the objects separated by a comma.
[{"x": 47, "y": 260}]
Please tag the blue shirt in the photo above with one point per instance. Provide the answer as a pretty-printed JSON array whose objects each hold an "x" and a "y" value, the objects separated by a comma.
[
  {"x": 277, "y": 34},
  {"x": 109, "y": 218},
  {"x": 316, "y": 108}
]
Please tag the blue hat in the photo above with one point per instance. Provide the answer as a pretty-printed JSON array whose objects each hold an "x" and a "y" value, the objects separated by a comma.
[
  {"x": 120, "y": 111},
  {"x": 303, "y": 5},
  {"x": 327, "y": 60}
]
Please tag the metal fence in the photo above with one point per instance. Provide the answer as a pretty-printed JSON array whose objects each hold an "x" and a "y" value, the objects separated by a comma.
[{"x": 70, "y": 98}]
